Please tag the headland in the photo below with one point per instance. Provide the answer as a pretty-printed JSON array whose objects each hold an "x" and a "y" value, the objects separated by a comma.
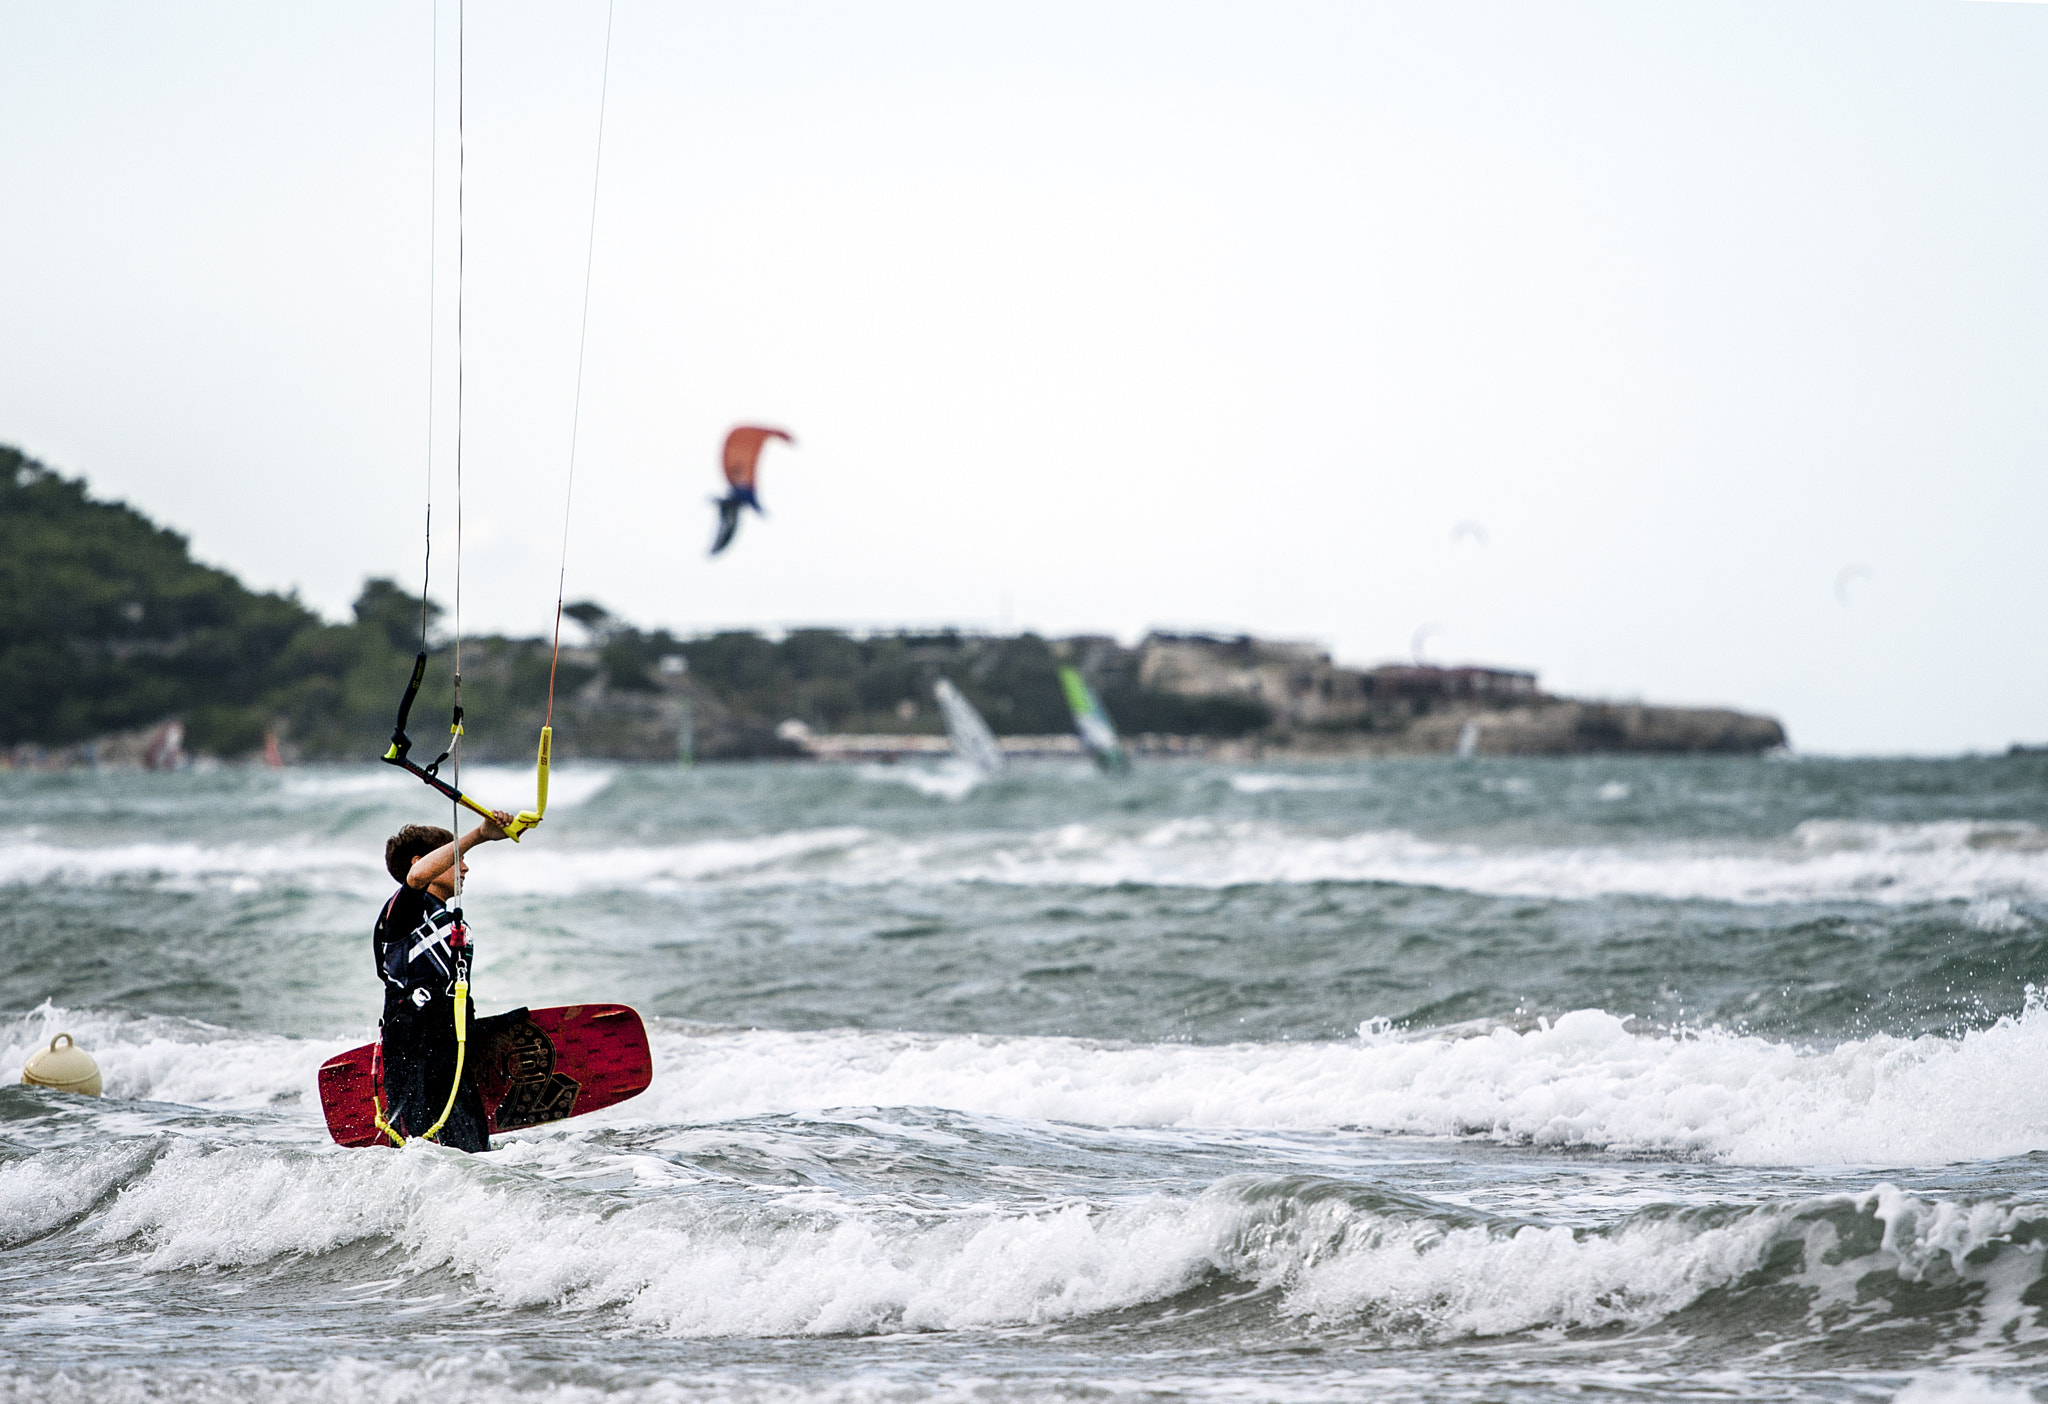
[{"x": 116, "y": 648}]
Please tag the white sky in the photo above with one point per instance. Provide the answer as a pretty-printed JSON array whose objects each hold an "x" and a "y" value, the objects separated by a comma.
[{"x": 1094, "y": 317}]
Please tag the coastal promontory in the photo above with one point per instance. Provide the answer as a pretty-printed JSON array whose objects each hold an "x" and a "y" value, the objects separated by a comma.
[{"x": 116, "y": 647}]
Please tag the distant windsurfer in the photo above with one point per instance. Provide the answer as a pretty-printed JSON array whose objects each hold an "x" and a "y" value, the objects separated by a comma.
[{"x": 419, "y": 946}]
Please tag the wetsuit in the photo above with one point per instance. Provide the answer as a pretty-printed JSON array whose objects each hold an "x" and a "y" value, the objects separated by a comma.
[{"x": 417, "y": 956}]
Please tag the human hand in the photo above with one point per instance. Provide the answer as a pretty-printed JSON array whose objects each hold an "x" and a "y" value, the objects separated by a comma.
[{"x": 494, "y": 827}]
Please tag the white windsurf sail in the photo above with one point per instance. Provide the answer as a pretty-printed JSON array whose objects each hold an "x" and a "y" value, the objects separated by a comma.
[{"x": 972, "y": 741}]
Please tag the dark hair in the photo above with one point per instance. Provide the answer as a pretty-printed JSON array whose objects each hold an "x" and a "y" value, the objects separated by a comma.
[{"x": 412, "y": 841}]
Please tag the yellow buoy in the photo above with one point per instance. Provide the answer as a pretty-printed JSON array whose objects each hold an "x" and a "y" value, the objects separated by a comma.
[{"x": 68, "y": 1069}]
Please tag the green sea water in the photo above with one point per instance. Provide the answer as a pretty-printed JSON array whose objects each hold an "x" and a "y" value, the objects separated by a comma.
[{"x": 1418, "y": 1079}]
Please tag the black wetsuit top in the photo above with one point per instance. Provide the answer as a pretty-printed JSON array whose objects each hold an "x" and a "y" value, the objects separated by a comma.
[{"x": 417, "y": 958}]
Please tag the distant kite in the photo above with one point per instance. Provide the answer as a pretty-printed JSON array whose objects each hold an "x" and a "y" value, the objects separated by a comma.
[
  {"x": 1845, "y": 575},
  {"x": 742, "y": 460},
  {"x": 1419, "y": 639},
  {"x": 1468, "y": 529}
]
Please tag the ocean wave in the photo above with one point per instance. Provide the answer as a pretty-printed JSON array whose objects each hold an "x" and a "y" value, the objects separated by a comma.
[
  {"x": 1336, "y": 1256},
  {"x": 1852, "y": 1258},
  {"x": 1893, "y": 864},
  {"x": 156, "y": 1059},
  {"x": 1284, "y": 782},
  {"x": 953, "y": 781},
  {"x": 1585, "y": 1081},
  {"x": 1981, "y": 863},
  {"x": 26, "y": 862},
  {"x": 568, "y": 786},
  {"x": 454, "y": 1376},
  {"x": 1962, "y": 1387}
]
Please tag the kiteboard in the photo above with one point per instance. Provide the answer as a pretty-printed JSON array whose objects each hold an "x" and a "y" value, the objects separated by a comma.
[{"x": 532, "y": 1066}]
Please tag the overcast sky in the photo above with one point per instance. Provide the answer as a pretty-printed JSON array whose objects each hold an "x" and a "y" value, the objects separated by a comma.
[{"x": 1725, "y": 324}]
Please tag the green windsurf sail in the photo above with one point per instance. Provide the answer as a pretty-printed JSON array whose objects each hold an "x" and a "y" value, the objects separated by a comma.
[{"x": 1097, "y": 733}]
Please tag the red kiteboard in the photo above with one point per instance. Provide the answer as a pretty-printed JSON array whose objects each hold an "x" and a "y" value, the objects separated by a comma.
[{"x": 532, "y": 1066}]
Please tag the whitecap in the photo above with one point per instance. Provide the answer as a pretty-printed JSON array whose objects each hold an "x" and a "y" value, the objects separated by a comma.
[
  {"x": 953, "y": 781},
  {"x": 1259, "y": 783}
]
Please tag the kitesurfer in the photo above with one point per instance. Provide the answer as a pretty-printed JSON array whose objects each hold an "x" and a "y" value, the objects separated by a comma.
[
  {"x": 742, "y": 464},
  {"x": 420, "y": 945}
]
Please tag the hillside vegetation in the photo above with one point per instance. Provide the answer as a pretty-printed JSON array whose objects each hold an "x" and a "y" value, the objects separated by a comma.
[{"x": 107, "y": 624}]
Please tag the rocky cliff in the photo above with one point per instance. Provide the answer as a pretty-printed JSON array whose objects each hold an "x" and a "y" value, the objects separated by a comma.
[{"x": 1318, "y": 707}]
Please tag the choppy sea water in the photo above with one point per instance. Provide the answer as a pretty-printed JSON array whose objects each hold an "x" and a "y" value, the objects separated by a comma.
[{"x": 1405, "y": 1080}]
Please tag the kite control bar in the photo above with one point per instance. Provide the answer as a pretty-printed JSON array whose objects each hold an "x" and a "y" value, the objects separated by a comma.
[{"x": 400, "y": 755}]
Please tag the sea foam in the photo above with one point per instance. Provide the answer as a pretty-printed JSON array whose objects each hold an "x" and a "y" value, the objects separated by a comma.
[
  {"x": 759, "y": 1261},
  {"x": 1991, "y": 865},
  {"x": 156, "y": 1059},
  {"x": 1586, "y": 1080},
  {"x": 1893, "y": 864}
]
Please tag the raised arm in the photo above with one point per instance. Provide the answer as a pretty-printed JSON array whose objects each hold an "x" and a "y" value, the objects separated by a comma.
[{"x": 429, "y": 866}]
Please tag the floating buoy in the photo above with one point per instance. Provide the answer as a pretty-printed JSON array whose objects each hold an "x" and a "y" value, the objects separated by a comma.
[{"x": 68, "y": 1068}]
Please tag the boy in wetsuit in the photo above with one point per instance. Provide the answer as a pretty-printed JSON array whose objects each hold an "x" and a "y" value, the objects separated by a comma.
[{"x": 418, "y": 948}]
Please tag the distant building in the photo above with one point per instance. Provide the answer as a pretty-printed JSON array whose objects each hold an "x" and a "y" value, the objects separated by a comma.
[
  {"x": 1304, "y": 688},
  {"x": 1431, "y": 682}
]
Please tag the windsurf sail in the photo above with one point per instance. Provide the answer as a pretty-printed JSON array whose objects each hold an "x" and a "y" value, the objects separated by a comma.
[
  {"x": 972, "y": 741},
  {"x": 1092, "y": 722}
]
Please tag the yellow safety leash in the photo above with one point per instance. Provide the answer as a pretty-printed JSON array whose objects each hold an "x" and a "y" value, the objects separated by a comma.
[
  {"x": 461, "y": 1049},
  {"x": 376, "y": 1094},
  {"x": 454, "y": 1087}
]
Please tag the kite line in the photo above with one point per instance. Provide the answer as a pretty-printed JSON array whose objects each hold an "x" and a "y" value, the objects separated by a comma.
[
  {"x": 576, "y": 410},
  {"x": 400, "y": 748}
]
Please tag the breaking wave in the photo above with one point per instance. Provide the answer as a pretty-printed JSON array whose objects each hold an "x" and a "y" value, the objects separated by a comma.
[
  {"x": 1991, "y": 865},
  {"x": 1585, "y": 1081},
  {"x": 732, "y": 1259}
]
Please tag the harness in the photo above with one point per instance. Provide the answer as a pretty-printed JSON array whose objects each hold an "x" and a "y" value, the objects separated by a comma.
[{"x": 443, "y": 939}]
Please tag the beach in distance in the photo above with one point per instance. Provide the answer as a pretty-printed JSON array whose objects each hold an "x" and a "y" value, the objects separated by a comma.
[{"x": 1421, "y": 1079}]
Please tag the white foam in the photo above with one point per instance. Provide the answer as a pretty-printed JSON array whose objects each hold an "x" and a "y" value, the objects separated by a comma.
[
  {"x": 683, "y": 1264},
  {"x": 1962, "y": 1387},
  {"x": 953, "y": 781},
  {"x": 1890, "y": 864},
  {"x": 512, "y": 787},
  {"x": 732, "y": 1260},
  {"x": 1994, "y": 914},
  {"x": 790, "y": 857},
  {"x": 176, "y": 1060},
  {"x": 40, "y": 1193},
  {"x": 195, "y": 866},
  {"x": 1261, "y": 783},
  {"x": 449, "y": 1375},
  {"x": 1423, "y": 1279},
  {"x": 1830, "y": 861},
  {"x": 1584, "y": 1081},
  {"x": 357, "y": 869},
  {"x": 509, "y": 787},
  {"x": 346, "y": 785}
]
